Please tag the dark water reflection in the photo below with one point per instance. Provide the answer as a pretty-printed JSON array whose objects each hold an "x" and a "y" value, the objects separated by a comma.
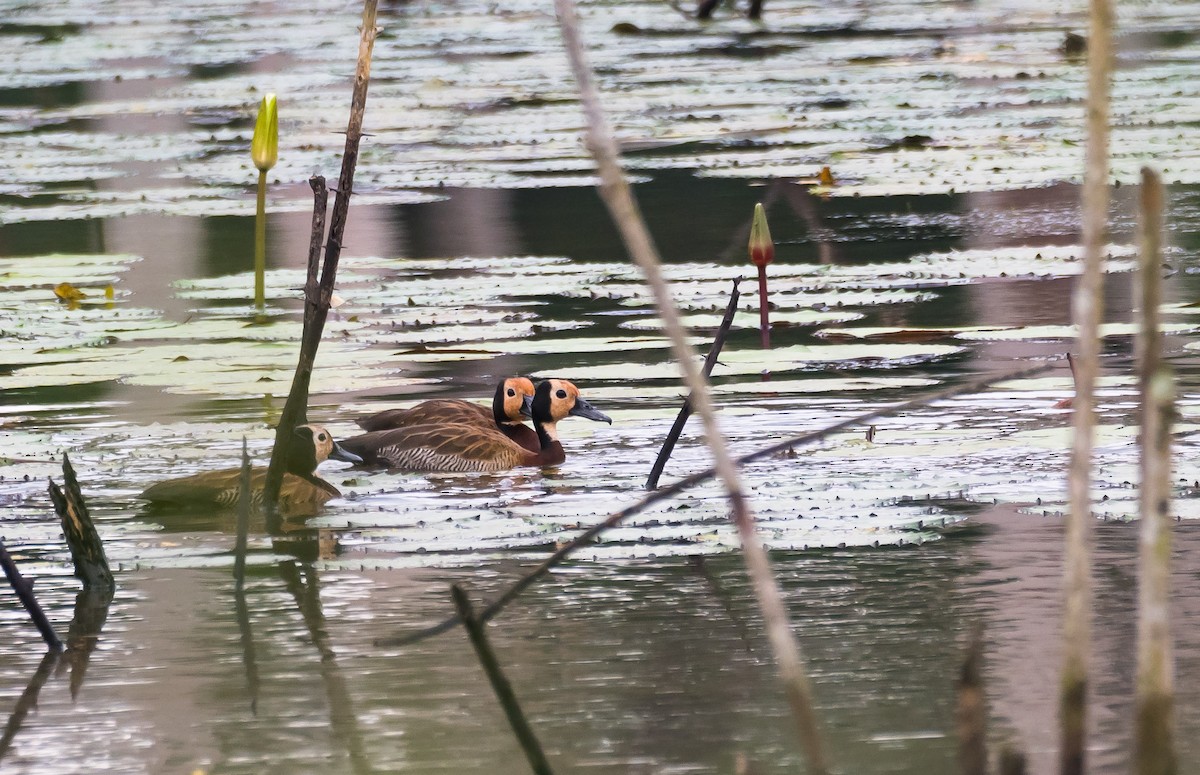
[{"x": 625, "y": 668}]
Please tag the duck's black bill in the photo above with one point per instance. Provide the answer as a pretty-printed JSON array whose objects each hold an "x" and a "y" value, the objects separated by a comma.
[
  {"x": 583, "y": 409},
  {"x": 341, "y": 453},
  {"x": 527, "y": 406}
]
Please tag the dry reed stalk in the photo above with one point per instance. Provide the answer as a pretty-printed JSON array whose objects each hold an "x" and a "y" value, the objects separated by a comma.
[
  {"x": 617, "y": 196},
  {"x": 1087, "y": 312},
  {"x": 318, "y": 296},
  {"x": 243, "y": 520},
  {"x": 24, "y": 590},
  {"x": 1154, "y": 747}
]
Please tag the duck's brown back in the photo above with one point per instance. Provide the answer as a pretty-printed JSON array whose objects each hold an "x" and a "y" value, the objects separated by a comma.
[{"x": 438, "y": 411}]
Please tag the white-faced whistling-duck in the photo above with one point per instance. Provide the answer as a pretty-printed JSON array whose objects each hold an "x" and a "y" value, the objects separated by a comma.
[
  {"x": 473, "y": 448},
  {"x": 511, "y": 404}
]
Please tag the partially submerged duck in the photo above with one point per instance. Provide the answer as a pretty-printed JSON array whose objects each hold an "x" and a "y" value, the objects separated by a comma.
[
  {"x": 302, "y": 492},
  {"x": 462, "y": 447},
  {"x": 511, "y": 404}
]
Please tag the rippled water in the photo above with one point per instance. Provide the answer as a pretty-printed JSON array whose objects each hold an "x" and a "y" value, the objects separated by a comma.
[{"x": 644, "y": 654}]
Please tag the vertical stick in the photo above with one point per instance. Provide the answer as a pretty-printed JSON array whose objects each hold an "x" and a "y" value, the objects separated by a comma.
[
  {"x": 1154, "y": 747},
  {"x": 295, "y": 409},
  {"x": 87, "y": 550},
  {"x": 764, "y": 322},
  {"x": 243, "y": 520},
  {"x": 1088, "y": 310},
  {"x": 24, "y": 590},
  {"x": 260, "y": 244},
  {"x": 500, "y": 684},
  {"x": 685, "y": 411},
  {"x": 615, "y": 191}
]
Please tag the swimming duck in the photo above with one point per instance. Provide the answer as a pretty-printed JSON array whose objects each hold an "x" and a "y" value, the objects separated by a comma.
[
  {"x": 302, "y": 492},
  {"x": 463, "y": 447},
  {"x": 510, "y": 405}
]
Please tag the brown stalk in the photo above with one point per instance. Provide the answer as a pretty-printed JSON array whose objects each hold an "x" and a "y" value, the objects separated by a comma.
[
  {"x": 1088, "y": 311},
  {"x": 618, "y": 197},
  {"x": 700, "y": 477},
  {"x": 710, "y": 360},
  {"x": 318, "y": 295},
  {"x": 1154, "y": 746},
  {"x": 500, "y": 683}
]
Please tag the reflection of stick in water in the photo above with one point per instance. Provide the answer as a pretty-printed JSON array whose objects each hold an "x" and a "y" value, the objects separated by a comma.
[
  {"x": 685, "y": 412},
  {"x": 500, "y": 683},
  {"x": 972, "y": 714},
  {"x": 91, "y": 611},
  {"x": 342, "y": 719},
  {"x": 28, "y": 700}
]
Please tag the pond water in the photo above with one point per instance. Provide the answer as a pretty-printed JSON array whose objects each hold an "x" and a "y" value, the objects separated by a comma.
[{"x": 477, "y": 249}]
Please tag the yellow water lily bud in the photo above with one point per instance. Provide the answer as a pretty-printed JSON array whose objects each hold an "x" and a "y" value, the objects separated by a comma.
[
  {"x": 264, "y": 149},
  {"x": 762, "y": 249}
]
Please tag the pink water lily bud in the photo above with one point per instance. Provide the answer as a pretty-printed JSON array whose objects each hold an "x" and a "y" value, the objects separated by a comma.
[{"x": 762, "y": 249}]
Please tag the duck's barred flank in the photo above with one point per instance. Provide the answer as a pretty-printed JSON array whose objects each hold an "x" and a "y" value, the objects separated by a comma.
[{"x": 424, "y": 459}]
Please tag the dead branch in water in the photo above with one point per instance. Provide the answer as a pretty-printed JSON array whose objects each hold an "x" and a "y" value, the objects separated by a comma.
[
  {"x": 87, "y": 550},
  {"x": 500, "y": 683},
  {"x": 1087, "y": 312},
  {"x": 687, "y": 482},
  {"x": 24, "y": 590},
  {"x": 971, "y": 715},
  {"x": 618, "y": 197},
  {"x": 319, "y": 295},
  {"x": 685, "y": 411},
  {"x": 1154, "y": 745}
]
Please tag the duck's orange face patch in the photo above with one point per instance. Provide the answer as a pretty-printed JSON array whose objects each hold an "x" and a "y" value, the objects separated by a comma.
[
  {"x": 515, "y": 391},
  {"x": 563, "y": 395}
]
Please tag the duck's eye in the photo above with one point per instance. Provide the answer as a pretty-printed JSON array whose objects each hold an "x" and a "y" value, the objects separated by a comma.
[
  {"x": 321, "y": 437},
  {"x": 560, "y": 393},
  {"x": 511, "y": 392}
]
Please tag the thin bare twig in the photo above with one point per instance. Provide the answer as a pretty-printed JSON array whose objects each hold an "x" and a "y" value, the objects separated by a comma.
[
  {"x": 1154, "y": 745},
  {"x": 1088, "y": 311},
  {"x": 685, "y": 411},
  {"x": 24, "y": 590},
  {"x": 700, "y": 477},
  {"x": 617, "y": 196},
  {"x": 243, "y": 520},
  {"x": 500, "y": 683},
  {"x": 319, "y": 296}
]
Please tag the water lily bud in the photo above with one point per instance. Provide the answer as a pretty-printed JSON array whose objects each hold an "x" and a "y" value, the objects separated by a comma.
[
  {"x": 762, "y": 249},
  {"x": 264, "y": 149}
]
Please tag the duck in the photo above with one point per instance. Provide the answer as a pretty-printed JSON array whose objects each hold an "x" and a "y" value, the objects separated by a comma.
[
  {"x": 302, "y": 491},
  {"x": 511, "y": 404},
  {"x": 460, "y": 447}
]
